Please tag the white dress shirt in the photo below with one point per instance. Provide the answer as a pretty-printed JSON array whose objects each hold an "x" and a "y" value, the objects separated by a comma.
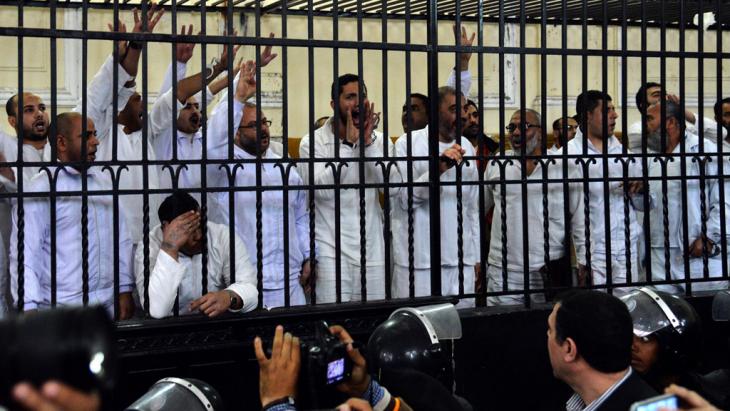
[
  {"x": 534, "y": 202},
  {"x": 37, "y": 243},
  {"x": 184, "y": 277},
  {"x": 272, "y": 202},
  {"x": 596, "y": 201},
  {"x": 421, "y": 209},
  {"x": 324, "y": 199},
  {"x": 709, "y": 127}
]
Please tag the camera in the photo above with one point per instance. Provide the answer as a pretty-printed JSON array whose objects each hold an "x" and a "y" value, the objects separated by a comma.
[
  {"x": 70, "y": 345},
  {"x": 324, "y": 357}
]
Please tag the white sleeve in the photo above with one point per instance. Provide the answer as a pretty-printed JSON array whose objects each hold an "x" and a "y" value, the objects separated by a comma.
[
  {"x": 165, "y": 277},
  {"x": 181, "y": 68},
  {"x": 465, "y": 81},
  {"x": 245, "y": 285}
]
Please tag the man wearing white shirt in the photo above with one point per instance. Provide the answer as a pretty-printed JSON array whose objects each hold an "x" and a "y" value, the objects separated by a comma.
[
  {"x": 649, "y": 94},
  {"x": 590, "y": 142},
  {"x": 249, "y": 146},
  {"x": 176, "y": 270},
  {"x": 340, "y": 136},
  {"x": 544, "y": 201},
  {"x": 37, "y": 275},
  {"x": 722, "y": 116},
  {"x": 452, "y": 149},
  {"x": 703, "y": 225},
  {"x": 571, "y": 126}
]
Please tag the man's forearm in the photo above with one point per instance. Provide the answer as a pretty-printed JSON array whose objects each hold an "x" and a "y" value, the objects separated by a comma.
[
  {"x": 187, "y": 87},
  {"x": 130, "y": 63}
]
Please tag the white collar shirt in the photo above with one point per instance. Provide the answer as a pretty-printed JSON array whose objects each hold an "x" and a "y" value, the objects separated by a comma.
[
  {"x": 349, "y": 198},
  {"x": 183, "y": 278},
  {"x": 536, "y": 203},
  {"x": 575, "y": 402},
  {"x": 449, "y": 239},
  {"x": 597, "y": 202},
  {"x": 272, "y": 203},
  {"x": 101, "y": 238},
  {"x": 675, "y": 210}
]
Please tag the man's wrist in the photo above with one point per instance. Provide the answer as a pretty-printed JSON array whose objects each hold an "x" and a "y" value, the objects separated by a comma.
[
  {"x": 236, "y": 303},
  {"x": 170, "y": 249},
  {"x": 283, "y": 402}
]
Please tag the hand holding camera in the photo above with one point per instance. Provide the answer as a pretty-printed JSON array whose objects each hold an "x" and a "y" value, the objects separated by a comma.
[{"x": 359, "y": 381}]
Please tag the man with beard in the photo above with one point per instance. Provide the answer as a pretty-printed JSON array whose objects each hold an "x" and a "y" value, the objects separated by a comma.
[
  {"x": 473, "y": 132},
  {"x": 545, "y": 203},
  {"x": 76, "y": 152},
  {"x": 703, "y": 225},
  {"x": 457, "y": 226},
  {"x": 722, "y": 116},
  {"x": 591, "y": 142},
  {"x": 559, "y": 139},
  {"x": 649, "y": 94},
  {"x": 350, "y": 133},
  {"x": 249, "y": 145}
]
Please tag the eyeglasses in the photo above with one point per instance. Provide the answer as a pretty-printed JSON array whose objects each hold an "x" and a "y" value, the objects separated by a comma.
[
  {"x": 512, "y": 127},
  {"x": 266, "y": 123}
]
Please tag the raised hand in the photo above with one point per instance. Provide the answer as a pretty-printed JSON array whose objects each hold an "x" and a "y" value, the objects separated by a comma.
[
  {"x": 246, "y": 86},
  {"x": 177, "y": 232},
  {"x": 464, "y": 40},
  {"x": 278, "y": 375},
  {"x": 152, "y": 19},
  {"x": 184, "y": 51},
  {"x": 266, "y": 55}
]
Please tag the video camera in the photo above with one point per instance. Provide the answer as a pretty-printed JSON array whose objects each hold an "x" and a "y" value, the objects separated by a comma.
[{"x": 325, "y": 360}]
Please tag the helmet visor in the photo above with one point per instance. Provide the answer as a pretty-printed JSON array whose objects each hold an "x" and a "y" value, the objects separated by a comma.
[
  {"x": 721, "y": 306},
  {"x": 646, "y": 315},
  {"x": 441, "y": 320}
]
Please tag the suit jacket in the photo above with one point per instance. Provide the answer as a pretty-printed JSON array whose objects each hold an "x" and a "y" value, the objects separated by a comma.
[{"x": 632, "y": 390}]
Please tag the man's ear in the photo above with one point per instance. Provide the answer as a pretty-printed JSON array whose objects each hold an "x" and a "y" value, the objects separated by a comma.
[
  {"x": 13, "y": 121},
  {"x": 332, "y": 104},
  {"x": 570, "y": 350},
  {"x": 61, "y": 144}
]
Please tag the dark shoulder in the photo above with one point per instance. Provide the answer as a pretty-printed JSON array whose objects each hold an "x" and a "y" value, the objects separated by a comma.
[{"x": 632, "y": 390}]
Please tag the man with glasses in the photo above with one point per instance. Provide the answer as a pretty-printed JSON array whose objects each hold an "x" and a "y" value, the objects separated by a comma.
[
  {"x": 597, "y": 119},
  {"x": 548, "y": 262},
  {"x": 559, "y": 140},
  {"x": 278, "y": 230}
]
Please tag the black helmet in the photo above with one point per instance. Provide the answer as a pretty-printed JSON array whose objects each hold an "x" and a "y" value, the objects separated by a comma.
[
  {"x": 721, "y": 306},
  {"x": 410, "y": 338},
  {"x": 671, "y": 320},
  {"x": 179, "y": 394}
]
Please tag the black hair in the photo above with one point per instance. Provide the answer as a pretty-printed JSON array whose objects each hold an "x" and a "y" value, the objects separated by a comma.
[
  {"x": 178, "y": 203},
  {"x": 10, "y": 106},
  {"x": 641, "y": 95},
  {"x": 424, "y": 99},
  {"x": 600, "y": 325},
  {"x": 588, "y": 101},
  {"x": 556, "y": 124},
  {"x": 343, "y": 80},
  {"x": 718, "y": 108},
  {"x": 471, "y": 103}
]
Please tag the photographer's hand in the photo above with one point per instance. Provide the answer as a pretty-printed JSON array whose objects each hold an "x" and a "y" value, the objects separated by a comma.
[
  {"x": 278, "y": 375},
  {"x": 54, "y": 396},
  {"x": 360, "y": 379}
]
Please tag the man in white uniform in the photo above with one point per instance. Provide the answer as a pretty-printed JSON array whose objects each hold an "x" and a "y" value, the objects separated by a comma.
[
  {"x": 543, "y": 202},
  {"x": 176, "y": 270},
  {"x": 340, "y": 136},
  {"x": 452, "y": 149},
  {"x": 249, "y": 146},
  {"x": 590, "y": 142},
  {"x": 703, "y": 224}
]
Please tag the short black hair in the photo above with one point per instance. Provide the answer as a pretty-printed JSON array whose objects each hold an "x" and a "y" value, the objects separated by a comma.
[
  {"x": 641, "y": 95},
  {"x": 556, "y": 123},
  {"x": 178, "y": 203},
  {"x": 424, "y": 99},
  {"x": 718, "y": 107},
  {"x": 600, "y": 325},
  {"x": 588, "y": 101},
  {"x": 10, "y": 106},
  {"x": 343, "y": 80},
  {"x": 472, "y": 104}
]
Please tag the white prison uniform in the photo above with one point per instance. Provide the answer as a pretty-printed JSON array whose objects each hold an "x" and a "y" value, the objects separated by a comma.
[
  {"x": 535, "y": 208},
  {"x": 129, "y": 148},
  {"x": 676, "y": 214},
  {"x": 515, "y": 282},
  {"x": 421, "y": 214},
  {"x": 709, "y": 127},
  {"x": 272, "y": 209},
  {"x": 183, "y": 278},
  {"x": 422, "y": 282},
  {"x": 37, "y": 243},
  {"x": 349, "y": 212},
  {"x": 350, "y": 281},
  {"x": 615, "y": 200}
]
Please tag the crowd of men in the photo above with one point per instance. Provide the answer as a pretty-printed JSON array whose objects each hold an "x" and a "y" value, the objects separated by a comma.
[{"x": 562, "y": 209}]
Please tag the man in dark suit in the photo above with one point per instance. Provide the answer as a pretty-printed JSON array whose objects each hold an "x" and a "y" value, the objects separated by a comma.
[{"x": 589, "y": 342}]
